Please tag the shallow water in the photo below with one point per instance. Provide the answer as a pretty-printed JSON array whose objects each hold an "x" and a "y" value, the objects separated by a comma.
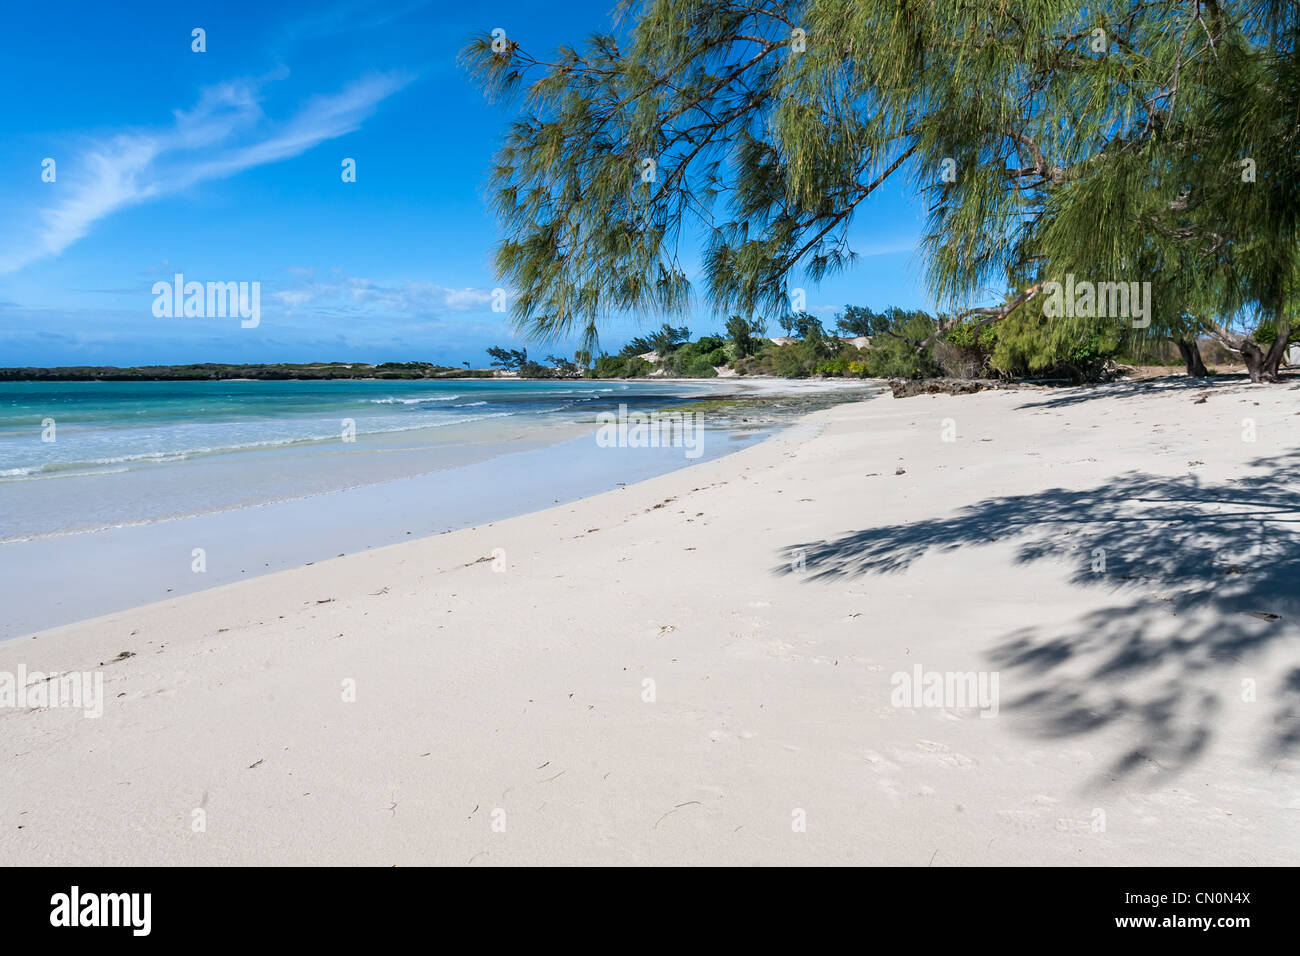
[
  {"x": 211, "y": 486},
  {"x": 91, "y": 455}
]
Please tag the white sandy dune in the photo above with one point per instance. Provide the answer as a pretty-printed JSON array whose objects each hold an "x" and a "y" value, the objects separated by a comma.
[{"x": 1148, "y": 713}]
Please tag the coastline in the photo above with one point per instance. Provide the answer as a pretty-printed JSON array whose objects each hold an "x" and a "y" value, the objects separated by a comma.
[
  {"x": 520, "y": 695},
  {"x": 289, "y": 507}
]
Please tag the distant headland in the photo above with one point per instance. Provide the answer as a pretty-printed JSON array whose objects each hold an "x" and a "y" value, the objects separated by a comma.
[{"x": 212, "y": 371}]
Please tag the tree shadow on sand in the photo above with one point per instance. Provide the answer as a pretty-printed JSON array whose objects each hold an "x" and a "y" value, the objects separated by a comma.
[
  {"x": 1207, "y": 577},
  {"x": 1135, "y": 388}
]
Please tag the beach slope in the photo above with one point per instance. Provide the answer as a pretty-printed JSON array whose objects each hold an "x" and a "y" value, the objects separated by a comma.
[{"x": 717, "y": 665}]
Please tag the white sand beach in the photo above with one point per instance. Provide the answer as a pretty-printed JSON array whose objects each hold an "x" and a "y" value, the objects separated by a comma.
[{"x": 698, "y": 668}]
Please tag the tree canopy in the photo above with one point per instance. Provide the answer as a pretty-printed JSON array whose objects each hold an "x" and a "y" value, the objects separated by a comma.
[{"x": 1120, "y": 143}]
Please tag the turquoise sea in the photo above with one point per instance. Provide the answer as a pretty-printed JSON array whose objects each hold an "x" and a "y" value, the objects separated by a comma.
[
  {"x": 100, "y": 426},
  {"x": 91, "y": 455},
  {"x": 149, "y": 490}
]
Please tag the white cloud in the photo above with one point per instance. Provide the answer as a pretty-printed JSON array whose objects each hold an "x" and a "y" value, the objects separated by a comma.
[
  {"x": 225, "y": 133},
  {"x": 468, "y": 298},
  {"x": 353, "y": 295}
]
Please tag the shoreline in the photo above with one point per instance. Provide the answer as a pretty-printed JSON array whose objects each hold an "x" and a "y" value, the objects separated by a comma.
[
  {"x": 129, "y": 565},
  {"x": 524, "y": 690},
  {"x": 133, "y": 562}
]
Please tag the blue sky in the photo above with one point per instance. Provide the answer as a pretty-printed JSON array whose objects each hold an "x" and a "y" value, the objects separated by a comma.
[{"x": 225, "y": 166}]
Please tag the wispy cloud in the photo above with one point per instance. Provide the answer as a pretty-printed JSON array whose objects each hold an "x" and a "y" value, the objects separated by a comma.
[
  {"x": 225, "y": 133},
  {"x": 348, "y": 295}
]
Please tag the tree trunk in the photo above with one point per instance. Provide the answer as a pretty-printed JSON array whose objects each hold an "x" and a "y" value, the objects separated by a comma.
[
  {"x": 1253, "y": 356},
  {"x": 1260, "y": 364},
  {"x": 1273, "y": 358},
  {"x": 1191, "y": 353}
]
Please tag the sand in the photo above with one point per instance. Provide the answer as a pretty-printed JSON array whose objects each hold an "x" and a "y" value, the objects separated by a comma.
[{"x": 700, "y": 668}]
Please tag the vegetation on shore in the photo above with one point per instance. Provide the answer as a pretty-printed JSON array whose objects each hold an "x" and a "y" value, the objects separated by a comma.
[{"x": 868, "y": 344}]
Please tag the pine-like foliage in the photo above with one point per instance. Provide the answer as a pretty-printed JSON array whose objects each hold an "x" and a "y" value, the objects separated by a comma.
[{"x": 1121, "y": 142}]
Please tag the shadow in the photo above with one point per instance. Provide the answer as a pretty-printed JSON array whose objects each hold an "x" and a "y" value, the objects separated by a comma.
[
  {"x": 1138, "y": 388},
  {"x": 1205, "y": 576}
]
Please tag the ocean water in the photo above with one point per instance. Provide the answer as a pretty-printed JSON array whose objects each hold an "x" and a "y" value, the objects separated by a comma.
[
  {"x": 125, "y": 453},
  {"x": 103, "y": 426},
  {"x": 156, "y": 489}
]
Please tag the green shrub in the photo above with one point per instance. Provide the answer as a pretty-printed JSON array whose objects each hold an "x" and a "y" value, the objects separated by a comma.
[
  {"x": 893, "y": 357},
  {"x": 1266, "y": 333},
  {"x": 694, "y": 360},
  {"x": 531, "y": 369},
  {"x": 699, "y": 367},
  {"x": 849, "y": 362},
  {"x": 1034, "y": 344},
  {"x": 792, "y": 361},
  {"x": 965, "y": 335},
  {"x": 835, "y": 366},
  {"x": 621, "y": 366},
  {"x": 745, "y": 336}
]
